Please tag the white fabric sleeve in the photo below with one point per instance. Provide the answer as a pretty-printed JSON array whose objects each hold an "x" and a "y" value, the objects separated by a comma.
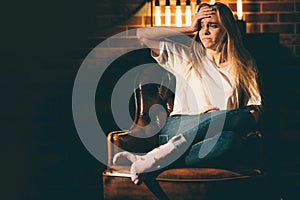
[
  {"x": 173, "y": 56},
  {"x": 254, "y": 99}
]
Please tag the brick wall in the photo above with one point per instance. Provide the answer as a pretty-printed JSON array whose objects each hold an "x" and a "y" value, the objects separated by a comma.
[
  {"x": 274, "y": 16},
  {"x": 282, "y": 16}
]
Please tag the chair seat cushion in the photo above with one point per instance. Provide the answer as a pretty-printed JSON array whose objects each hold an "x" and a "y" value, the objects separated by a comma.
[
  {"x": 204, "y": 174},
  {"x": 185, "y": 183},
  {"x": 189, "y": 174}
]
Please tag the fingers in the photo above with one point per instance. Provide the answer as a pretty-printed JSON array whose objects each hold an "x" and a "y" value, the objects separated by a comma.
[
  {"x": 205, "y": 12},
  {"x": 208, "y": 108},
  {"x": 206, "y": 9}
]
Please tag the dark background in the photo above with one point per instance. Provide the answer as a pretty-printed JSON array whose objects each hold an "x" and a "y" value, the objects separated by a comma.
[{"x": 41, "y": 47}]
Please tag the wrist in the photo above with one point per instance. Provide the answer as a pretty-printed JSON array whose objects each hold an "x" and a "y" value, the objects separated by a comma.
[
  {"x": 193, "y": 29},
  {"x": 189, "y": 30}
]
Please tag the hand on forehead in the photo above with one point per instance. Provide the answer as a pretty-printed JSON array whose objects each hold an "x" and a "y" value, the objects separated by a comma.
[
  {"x": 207, "y": 8},
  {"x": 206, "y": 11}
]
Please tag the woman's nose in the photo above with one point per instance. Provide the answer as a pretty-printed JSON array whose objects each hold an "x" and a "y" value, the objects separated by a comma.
[{"x": 206, "y": 30}]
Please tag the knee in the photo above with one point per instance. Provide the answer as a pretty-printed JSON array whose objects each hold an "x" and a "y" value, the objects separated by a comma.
[
  {"x": 246, "y": 117},
  {"x": 243, "y": 119}
]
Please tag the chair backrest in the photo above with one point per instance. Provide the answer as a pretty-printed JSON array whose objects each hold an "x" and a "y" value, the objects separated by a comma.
[{"x": 153, "y": 97}]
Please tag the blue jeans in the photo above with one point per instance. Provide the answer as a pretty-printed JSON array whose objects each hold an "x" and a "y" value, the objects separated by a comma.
[{"x": 210, "y": 137}]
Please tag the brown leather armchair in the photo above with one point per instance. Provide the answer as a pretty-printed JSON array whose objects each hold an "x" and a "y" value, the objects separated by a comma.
[{"x": 244, "y": 181}]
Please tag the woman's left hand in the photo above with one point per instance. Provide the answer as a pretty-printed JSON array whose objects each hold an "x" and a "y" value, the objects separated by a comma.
[{"x": 207, "y": 109}]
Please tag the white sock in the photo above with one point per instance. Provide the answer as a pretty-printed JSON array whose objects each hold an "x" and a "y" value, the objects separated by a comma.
[
  {"x": 123, "y": 157},
  {"x": 145, "y": 163},
  {"x": 149, "y": 162}
]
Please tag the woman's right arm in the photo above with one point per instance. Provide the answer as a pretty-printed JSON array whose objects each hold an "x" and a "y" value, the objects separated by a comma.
[{"x": 152, "y": 35}]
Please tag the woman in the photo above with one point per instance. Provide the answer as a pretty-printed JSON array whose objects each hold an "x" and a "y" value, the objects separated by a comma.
[{"x": 217, "y": 99}]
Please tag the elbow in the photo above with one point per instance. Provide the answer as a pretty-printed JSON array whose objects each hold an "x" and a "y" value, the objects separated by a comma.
[{"x": 139, "y": 34}]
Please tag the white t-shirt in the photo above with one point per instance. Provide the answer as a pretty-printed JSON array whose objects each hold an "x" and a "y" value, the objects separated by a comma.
[{"x": 198, "y": 88}]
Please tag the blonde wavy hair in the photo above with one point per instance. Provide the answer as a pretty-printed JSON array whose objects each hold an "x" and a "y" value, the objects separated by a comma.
[{"x": 233, "y": 51}]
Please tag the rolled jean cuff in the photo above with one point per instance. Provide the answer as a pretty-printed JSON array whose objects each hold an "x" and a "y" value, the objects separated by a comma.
[{"x": 179, "y": 141}]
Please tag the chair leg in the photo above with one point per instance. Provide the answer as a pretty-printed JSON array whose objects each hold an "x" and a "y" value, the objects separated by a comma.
[{"x": 155, "y": 188}]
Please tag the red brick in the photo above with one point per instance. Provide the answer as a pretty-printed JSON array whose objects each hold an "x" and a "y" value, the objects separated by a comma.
[
  {"x": 183, "y": 9},
  {"x": 247, "y": 7},
  {"x": 261, "y": 18},
  {"x": 278, "y": 7},
  {"x": 289, "y": 17},
  {"x": 173, "y": 7},
  {"x": 147, "y": 20},
  {"x": 135, "y": 20},
  {"x": 253, "y": 28},
  {"x": 281, "y": 28},
  {"x": 108, "y": 53},
  {"x": 290, "y": 39},
  {"x": 124, "y": 42},
  {"x": 163, "y": 21},
  {"x": 173, "y": 19},
  {"x": 232, "y": 6},
  {"x": 251, "y": 7}
]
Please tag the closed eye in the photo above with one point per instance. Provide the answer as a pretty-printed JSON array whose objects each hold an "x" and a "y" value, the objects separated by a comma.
[
  {"x": 213, "y": 25},
  {"x": 210, "y": 25}
]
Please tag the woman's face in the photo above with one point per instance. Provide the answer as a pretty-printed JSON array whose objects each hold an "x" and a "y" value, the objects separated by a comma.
[{"x": 211, "y": 32}]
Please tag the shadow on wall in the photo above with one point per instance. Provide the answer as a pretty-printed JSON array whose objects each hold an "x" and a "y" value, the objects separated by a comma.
[{"x": 278, "y": 72}]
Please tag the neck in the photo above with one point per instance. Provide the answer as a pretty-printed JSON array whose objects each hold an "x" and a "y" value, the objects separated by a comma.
[{"x": 215, "y": 57}]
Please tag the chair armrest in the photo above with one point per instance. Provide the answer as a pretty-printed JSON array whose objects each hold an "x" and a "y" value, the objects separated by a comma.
[
  {"x": 124, "y": 140},
  {"x": 254, "y": 149},
  {"x": 111, "y": 145}
]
